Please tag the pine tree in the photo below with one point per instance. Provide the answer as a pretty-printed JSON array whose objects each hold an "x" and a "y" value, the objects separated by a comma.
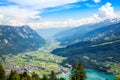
[
  {"x": 25, "y": 76},
  {"x": 78, "y": 72},
  {"x": 53, "y": 76},
  {"x": 61, "y": 78},
  {"x": 11, "y": 74},
  {"x": 35, "y": 76},
  {"x": 2, "y": 72},
  {"x": 45, "y": 77},
  {"x": 14, "y": 76}
]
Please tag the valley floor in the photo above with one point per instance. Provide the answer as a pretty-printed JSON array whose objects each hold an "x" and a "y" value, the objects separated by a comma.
[{"x": 40, "y": 61}]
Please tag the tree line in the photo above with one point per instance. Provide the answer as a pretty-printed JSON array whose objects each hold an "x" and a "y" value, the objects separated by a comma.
[{"x": 78, "y": 73}]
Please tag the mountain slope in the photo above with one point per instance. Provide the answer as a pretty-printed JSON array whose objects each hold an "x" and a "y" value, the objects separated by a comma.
[
  {"x": 90, "y": 47},
  {"x": 99, "y": 36},
  {"x": 74, "y": 35},
  {"x": 93, "y": 55},
  {"x": 104, "y": 33},
  {"x": 97, "y": 56},
  {"x": 18, "y": 39},
  {"x": 96, "y": 50},
  {"x": 48, "y": 33}
]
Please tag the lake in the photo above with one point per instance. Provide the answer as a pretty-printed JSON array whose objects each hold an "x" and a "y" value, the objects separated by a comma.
[{"x": 92, "y": 75}]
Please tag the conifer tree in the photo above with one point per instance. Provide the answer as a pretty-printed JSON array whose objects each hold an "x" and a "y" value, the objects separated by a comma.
[
  {"x": 11, "y": 74},
  {"x": 45, "y": 77},
  {"x": 61, "y": 78},
  {"x": 78, "y": 72},
  {"x": 2, "y": 72},
  {"x": 25, "y": 76},
  {"x": 35, "y": 76},
  {"x": 14, "y": 76},
  {"x": 53, "y": 76}
]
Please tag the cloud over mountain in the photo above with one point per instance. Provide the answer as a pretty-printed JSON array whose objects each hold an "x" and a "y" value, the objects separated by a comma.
[
  {"x": 104, "y": 12},
  {"x": 19, "y": 12}
]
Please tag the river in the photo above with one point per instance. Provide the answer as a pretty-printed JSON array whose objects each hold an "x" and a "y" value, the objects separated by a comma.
[{"x": 92, "y": 75}]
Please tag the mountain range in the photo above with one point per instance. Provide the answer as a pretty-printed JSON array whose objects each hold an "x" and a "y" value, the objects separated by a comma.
[
  {"x": 18, "y": 39},
  {"x": 77, "y": 34},
  {"x": 95, "y": 48},
  {"x": 95, "y": 45}
]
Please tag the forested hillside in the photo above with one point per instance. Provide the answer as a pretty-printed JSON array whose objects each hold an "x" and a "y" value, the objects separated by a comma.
[{"x": 98, "y": 49}]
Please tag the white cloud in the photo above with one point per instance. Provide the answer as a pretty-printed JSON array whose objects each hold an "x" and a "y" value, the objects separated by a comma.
[
  {"x": 15, "y": 15},
  {"x": 66, "y": 23},
  {"x": 107, "y": 11},
  {"x": 17, "y": 12},
  {"x": 97, "y": 1},
  {"x": 18, "y": 15},
  {"x": 104, "y": 12},
  {"x": 28, "y": 11},
  {"x": 40, "y": 4}
]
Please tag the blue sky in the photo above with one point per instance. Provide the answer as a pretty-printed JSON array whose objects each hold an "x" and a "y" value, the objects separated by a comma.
[
  {"x": 57, "y": 13},
  {"x": 78, "y": 10}
]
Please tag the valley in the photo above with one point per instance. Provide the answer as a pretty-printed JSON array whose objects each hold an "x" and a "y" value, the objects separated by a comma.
[
  {"x": 60, "y": 40},
  {"x": 40, "y": 61},
  {"x": 103, "y": 56},
  {"x": 97, "y": 49}
]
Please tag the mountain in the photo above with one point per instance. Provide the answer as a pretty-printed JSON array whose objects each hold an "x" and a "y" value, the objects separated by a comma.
[
  {"x": 107, "y": 35},
  {"x": 48, "y": 33},
  {"x": 94, "y": 56},
  {"x": 74, "y": 35},
  {"x": 104, "y": 33},
  {"x": 96, "y": 49},
  {"x": 91, "y": 47},
  {"x": 17, "y": 39}
]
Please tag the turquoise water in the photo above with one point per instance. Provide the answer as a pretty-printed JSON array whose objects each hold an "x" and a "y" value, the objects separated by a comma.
[{"x": 92, "y": 75}]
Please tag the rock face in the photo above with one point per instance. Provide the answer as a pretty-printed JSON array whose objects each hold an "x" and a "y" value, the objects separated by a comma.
[{"x": 17, "y": 39}]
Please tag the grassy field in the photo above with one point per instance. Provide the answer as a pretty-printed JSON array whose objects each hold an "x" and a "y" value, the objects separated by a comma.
[{"x": 40, "y": 61}]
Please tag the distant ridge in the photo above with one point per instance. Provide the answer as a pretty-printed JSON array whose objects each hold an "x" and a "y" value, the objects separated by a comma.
[{"x": 74, "y": 35}]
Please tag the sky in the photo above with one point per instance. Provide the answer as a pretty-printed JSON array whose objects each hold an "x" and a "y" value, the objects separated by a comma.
[{"x": 57, "y": 13}]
